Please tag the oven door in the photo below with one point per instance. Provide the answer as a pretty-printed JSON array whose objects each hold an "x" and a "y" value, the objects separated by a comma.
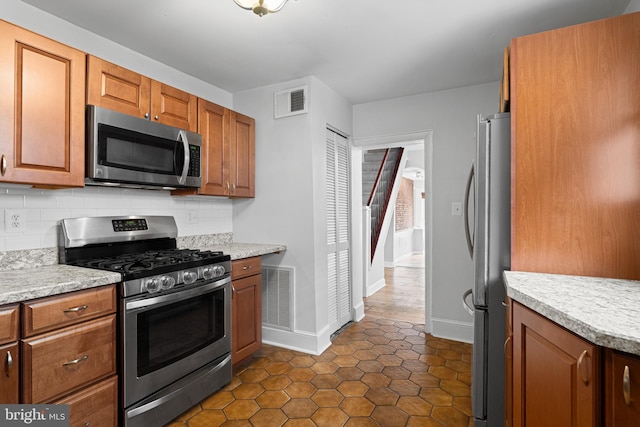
[{"x": 166, "y": 337}]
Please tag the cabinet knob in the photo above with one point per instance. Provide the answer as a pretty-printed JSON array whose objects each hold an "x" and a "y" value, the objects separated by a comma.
[
  {"x": 146, "y": 115},
  {"x": 3, "y": 165},
  {"x": 156, "y": 117},
  {"x": 626, "y": 386}
]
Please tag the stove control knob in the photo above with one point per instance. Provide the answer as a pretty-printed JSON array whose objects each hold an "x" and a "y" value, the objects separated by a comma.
[
  {"x": 167, "y": 282},
  {"x": 152, "y": 285},
  {"x": 189, "y": 277},
  {"x": 218, "y": 270},
  {"x": 208, "y": 273}
]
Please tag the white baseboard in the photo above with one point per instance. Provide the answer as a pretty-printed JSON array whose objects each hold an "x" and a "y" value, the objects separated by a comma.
[
  {"x": 358, "y": 312},
  {"x": 305, "y": 342},
  {"x": 452, "y": 330},
  {"x": 375, "y": 287}
]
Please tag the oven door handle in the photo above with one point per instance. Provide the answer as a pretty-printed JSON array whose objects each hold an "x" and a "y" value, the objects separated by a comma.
[{"x": 177, "y": 296}]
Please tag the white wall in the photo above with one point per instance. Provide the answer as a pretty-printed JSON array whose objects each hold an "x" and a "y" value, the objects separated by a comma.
[
  {"x": 634, "y": 6},
  {"x": 290, "y": 205},
  {"x": 451, "y": 115}
]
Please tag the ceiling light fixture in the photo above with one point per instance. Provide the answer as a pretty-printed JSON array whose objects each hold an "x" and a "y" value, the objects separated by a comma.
[{"x": 261, "y": 7}]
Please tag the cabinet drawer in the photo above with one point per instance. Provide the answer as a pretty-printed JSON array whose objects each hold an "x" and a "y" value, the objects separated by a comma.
[
  {"x": 54, "y": 312},
  {"x": 94, "y": 406},
  {"x": 9, "y": 323},
  {"x": 58, "y": 362},
  {"x": 246, "y": 267}
]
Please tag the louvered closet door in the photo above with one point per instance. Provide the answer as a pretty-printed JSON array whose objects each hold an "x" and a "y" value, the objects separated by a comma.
[{"x": 338, "y": 234}]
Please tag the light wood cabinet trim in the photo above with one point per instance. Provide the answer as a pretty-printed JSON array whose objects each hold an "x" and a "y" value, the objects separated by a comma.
[
  {"x": 246, "y": 267},
  {"x": 62, "y": 310},
  {"x": 9, "y": 374},
  {"x": 41, "y": 110},
  {"x": 94, "y": 406},
  {"x": 117, "y": 88},
  {"x": 44, "y": 374},
  {"x": 9, "y": 326}
]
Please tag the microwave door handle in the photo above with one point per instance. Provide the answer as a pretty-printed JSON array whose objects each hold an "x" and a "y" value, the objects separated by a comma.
[{"x": 182, "y": 136}]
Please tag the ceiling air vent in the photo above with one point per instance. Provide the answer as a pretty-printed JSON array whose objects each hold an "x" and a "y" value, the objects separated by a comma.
[{"x": 290, "y": 102}]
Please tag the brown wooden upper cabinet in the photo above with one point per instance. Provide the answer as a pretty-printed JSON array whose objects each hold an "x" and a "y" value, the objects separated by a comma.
[
  {"x": 575, "y": 103},
  {"x": 41, "y": 110},
  {"x": 117, "y": 88},
  {"x": 242, "y": 151}
]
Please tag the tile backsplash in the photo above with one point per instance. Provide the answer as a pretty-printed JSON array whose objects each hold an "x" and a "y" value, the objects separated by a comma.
[{"x": 43, "y": 209}]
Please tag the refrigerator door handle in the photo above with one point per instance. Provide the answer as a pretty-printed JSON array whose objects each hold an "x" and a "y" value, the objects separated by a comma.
[
  {"x": 467, "y": 191},
  {"x": 465, "y": 304}
]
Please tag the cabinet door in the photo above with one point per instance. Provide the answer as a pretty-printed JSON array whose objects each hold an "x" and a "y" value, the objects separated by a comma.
[
  {"x": 247, "y": 317},
  {"x": 9, "y": 373},
  {"x": 508, "y": 365},
  {"x": 173, "y": 107},
  {"x": 622, "y": 392},
  {"x": 575, "y": 110},
  {"x": 242, "y": 163},
  {"x": 556, "y": 374},
  {"x": 117, "y": 88},
  {"x": 213, "y": 125},
  {"x": 42, "y": 83}
]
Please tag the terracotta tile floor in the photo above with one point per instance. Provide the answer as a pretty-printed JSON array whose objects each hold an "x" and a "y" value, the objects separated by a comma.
[{"x": 377, "y": 372}]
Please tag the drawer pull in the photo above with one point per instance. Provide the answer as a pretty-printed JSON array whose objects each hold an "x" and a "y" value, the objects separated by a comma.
[
  {"x": 585, "y": 377},
  {"x": 76, "y": 309},
  {"x": 3, "y": 165},
  {"x": 87, "y": 424},
  {"x": 9, "y": 365},
  {"x": 247, "y": 267},
  {"x": 76, "y": 361},
  {"x": 626, "y": 386}
]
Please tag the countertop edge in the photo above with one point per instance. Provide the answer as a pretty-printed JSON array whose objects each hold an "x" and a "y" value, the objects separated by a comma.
[{"x": 595, "y": 324}]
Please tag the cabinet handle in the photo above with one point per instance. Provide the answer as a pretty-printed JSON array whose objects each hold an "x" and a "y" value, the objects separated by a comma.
[
  {"x": 228, "y": 187},
  {"x": 76, "y": 309},
  {"x": 9, "y": 365},
  {"x": 585, "y": 377},
  {"x": 3, "y": 165},
  {"x": 146, "y": 115},
  {"x": 233, "y": 187},
  {"x": 76, "y": 361},
  {"x": 626, "y": 386},
  {"x": 247, "y": 267},
  {"x": 233, "y": 291},
  {"x": 506, "y": 342},
  {"x": 87, "y": 424}
]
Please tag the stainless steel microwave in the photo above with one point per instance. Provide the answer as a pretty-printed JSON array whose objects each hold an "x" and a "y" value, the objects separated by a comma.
[{"x": 128, "y": 151}]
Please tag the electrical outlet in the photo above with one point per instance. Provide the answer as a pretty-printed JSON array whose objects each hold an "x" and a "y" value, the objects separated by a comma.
[
  {"x": 192, "y": 217},
  {"x": 15, "y": 220}
]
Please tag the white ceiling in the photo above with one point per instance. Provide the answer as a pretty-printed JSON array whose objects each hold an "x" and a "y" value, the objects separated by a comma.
[{"x": 365, "y": 50}]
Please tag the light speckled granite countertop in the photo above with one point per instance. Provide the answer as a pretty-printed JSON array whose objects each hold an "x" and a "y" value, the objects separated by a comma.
[
  {"x": 30, "y": 283},
  {"x": 603, "y": 311},
  {"x": 31, "y": 274}
]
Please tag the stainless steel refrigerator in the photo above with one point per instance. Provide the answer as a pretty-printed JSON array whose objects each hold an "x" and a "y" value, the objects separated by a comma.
[{"x": 487, "y": 216}]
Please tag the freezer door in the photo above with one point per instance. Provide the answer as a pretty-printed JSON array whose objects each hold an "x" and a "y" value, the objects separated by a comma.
[{"x": 479, "y": 365}]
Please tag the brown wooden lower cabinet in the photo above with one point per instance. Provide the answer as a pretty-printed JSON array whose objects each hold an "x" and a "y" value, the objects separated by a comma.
[
  {"x": 556, "y": 374},
  {"x": 622, "y": 389},
  {"x": 95, "y": 406},
  {"x": 246, "y": 325},
  {"x": 9, "y": 373}
]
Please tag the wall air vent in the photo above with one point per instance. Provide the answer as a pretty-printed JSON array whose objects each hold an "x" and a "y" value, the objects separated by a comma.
[
  {"x": 277, "y": 297},
  {"x": 290, "y": 102}
]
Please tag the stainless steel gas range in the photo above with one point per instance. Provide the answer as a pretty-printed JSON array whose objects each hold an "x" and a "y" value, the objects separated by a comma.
[{"x": 175, "y": 312}]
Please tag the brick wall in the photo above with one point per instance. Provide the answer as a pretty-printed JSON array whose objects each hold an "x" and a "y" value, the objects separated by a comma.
[{"x": 404, "y": 205}]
